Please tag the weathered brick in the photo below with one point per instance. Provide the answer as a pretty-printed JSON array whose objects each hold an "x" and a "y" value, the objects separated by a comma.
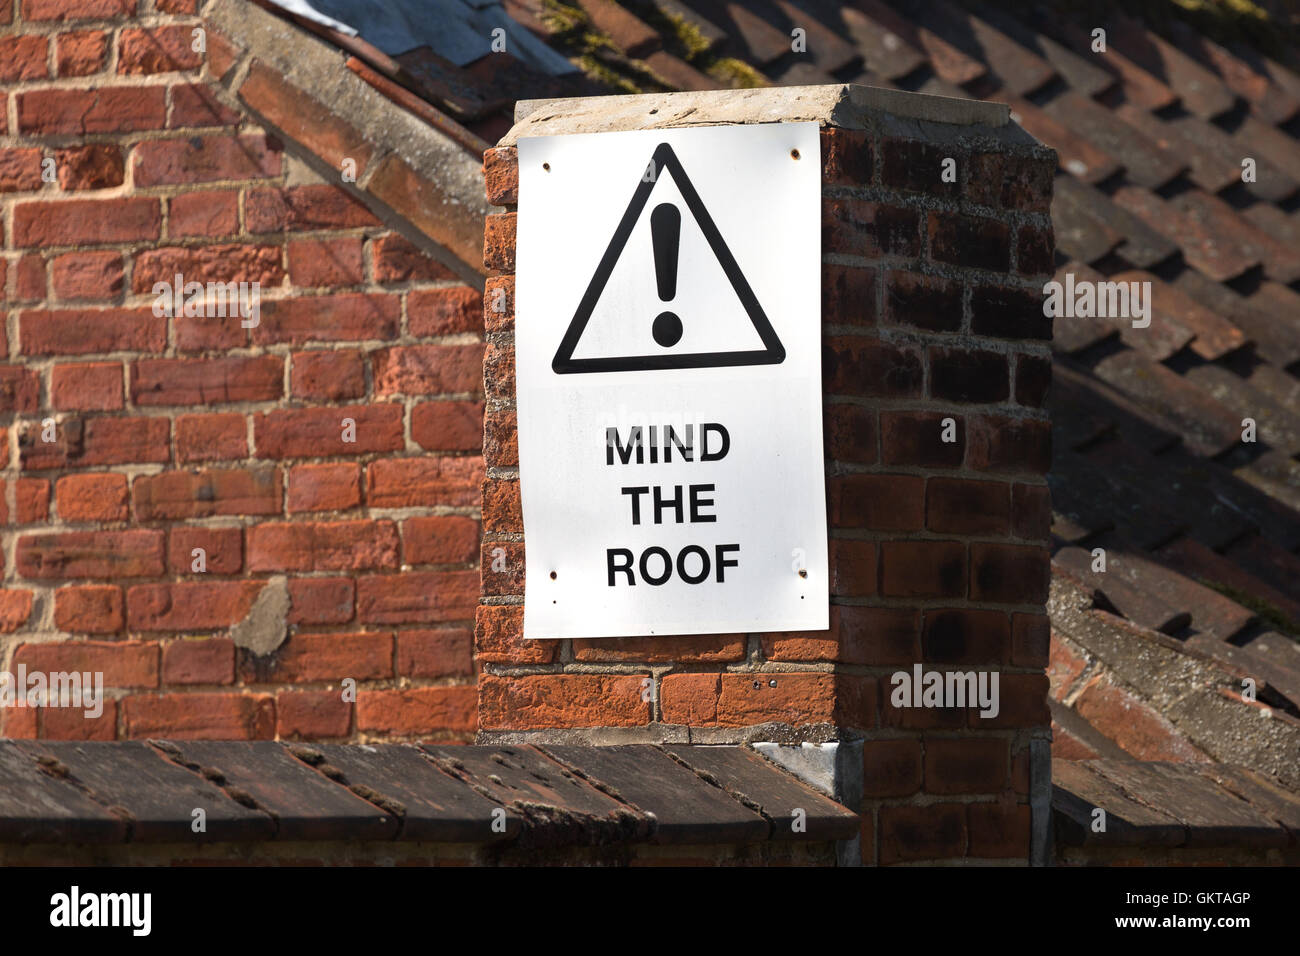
[
  {"x": 445, "y": 539},
  {"x": 311, "y": 714},
  {"x": 848, "y": 295},
  {"x": 190, "y": 606},
  {"x": 77, "y": 222},
  {"x": 891, "y": 768},
  {"x": 92, "y": 497},
  {"x": 416, "y": 711},
  {"x": 89, "y": 609},
  {"x": 209, "y": 212},
  {"x": 960, "y": 506},
  {"x": 190, "y": 716},
  {"x": 869, "y": 229},
  {"x": 425, "y": 597},
  {"x": 448, "y": 425},
  {"x": 207, "y": 492},
  {"x": 499, "y": 637},
  {"x": 222, "y": 550},
  {"x": 91, "y": 554},
  {"x": 1010, "y": 445},
  {"x": 871, "y": 368},
  {"x": 423, "y": 482},
  {"x": 80, "y": 52},
  {"x": 105, "y": 109},
  {"x": 966, "y": 636},
  {"x": 325, "y": 487},
  {"x": 442, "y": 652},
  {"x": 123, "y": 663},
  {"x": 211, "y": 437},
  {"x": 304, "y": 207},
  {"x": 397, "y": 259},
  {"x": 324, "y": 657},
  {"x": 322, "y": 546},
  {"x": 918, "y": 166},
  {"x": 1008, "y": 313},
  {"x": 977, "y": 242},
  {"x": 207, "y": 381},
  {"x": 922, "y": 301},
  {"x": 917, "y": 438},
  {"x": 305, "y": 119},
  {"x": 316, "y": 432},
  {"x": 499, "y": 243},
  {"x": 878, "y": 502},
  {"x": 90, "y": 331},
  {"x": 1009, "y": 573},
  {"x": 428, "y": 369},
  {"x": 847, "y": 157},
  {"x": 204, "y": 159},
  {"x": 923, "y": 568},
  {"x": 95, "y": 166},
  {"x": 208, "y": 660},
  {"x": 850, "y": 433},
  {"x": 444, "y": 311},
  {"x": 321, "y": 600},
  {"x": 328, "y": 375},
  {"x": 562, "y": 700},
  {"x": 346, "y": 317},
  {"x": 87, "y": 275}
]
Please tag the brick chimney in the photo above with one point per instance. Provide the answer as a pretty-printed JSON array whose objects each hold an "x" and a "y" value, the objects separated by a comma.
[{"x": 936, "y": 242}]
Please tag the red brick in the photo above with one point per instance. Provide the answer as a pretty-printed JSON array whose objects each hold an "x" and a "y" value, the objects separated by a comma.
[
  {"x": 502, "y": 564},
  {"x": 317, "y": 432},
  {"x": 448, "y": 539},
  {"x": 1030, "y": 635},
  {"x": 322, "y": 546},
  {"x": 190, "y": 606},
  {"x": 976, "y": 242},
  {"x": 917, "y": 166},
  {"x": 502, "y": 511},
  {"x": 328, "y": 375},
  {"x": 848, "y": 295},
  {"x": 424, "y": 482},
  {"x": 15, "y": 609},
  {"x": 428, "y": 369},
  {"x": 434, "y": 312},
  {"x": 163, "y": 49},
  {"x": 87, "y": 275},
  {"x": 1008, "y": 312},
  {"x": 847, "y": 157},
  {"x": 1035, "y": 251},
  {"x": 223, "y": 550},
  {"x": 923, "y": 568},
  {"x": 860, "y": 227},
  {"x": 20, "y": 170},
  {"x": 966, "y": 636},
  {"x": 206, "y": 159},
  {"x": 969, "y": 375},
  {"x": 91, "y": 497},
  {"x": 71, "y": 723},
  {"x": 445, "y": 652},
  {"x": 857, "y": 635},
  {"x": 99, "y": 441},
  {"x": 98, "y": 166},
  {"x": 1031, "y": 511},
  {"x": 999, "y": 831},
  {"x": 75, "y": 222},
  {"x": 324, "y": 657},
  {"x": 423, "y": 597},
  {"x": 1137, "y": 726},
  {"x": 209, "y": 660},
  {"x": 959, "y": 506},
  {"x": 1023, "y": 183},
  {"x": 195, "y": 105},
  {"x": 498, "y": 304},
  {"x": 304, "y": 207},
  {"x": 89, "y": 609},
  {"x": 123, "y": 663},
  {"x": 190, "y": 716},
  {"x": 501, "y": 176},
  {"x": 499, "y": 371},
  {"x": 327, "y": 487},
  {"x": 312, "y": 715},
  {"x": 326, "y": 262},
  {"x": 563, "y": 700},
  {"x": 32, "y": 498},
  {"x": 966, "y": 765},
  {"x": 891, "y": 768},
  {"x": 105, "y": 109},
  {"x": 1009, "y": 573},
  {"x": 855, "y": 365},
  {"x": 397, "y": 259},
  {"x": 204, "y": 333},
  {"x": 878, "y": 502},
  {"x": 213, "y": 212},
  {"x": 1064, "y": 668},
  {"x": 80, "y": 52},
  {"x": 91, "y": 554},
  {"x": 1023, "y": 703},
  {"x": 500, "y": 438},
  {"x": 1033, "y": 380},
  {"x": 328, "y": 318},
  {"x": 682, "y": 649},
  {"x": 77, "y": 9},
  {"x": 88, "y": 331},
  {"x": 310, "y": 120},
  {"x": 499, "y": 242},
  {"x": 448, "y": 426},
  {"x": 29, "y": 279},
  {"x": 20, "y": 389},
  {"x": 321, "y": 600},
  {"x": 22, "y": 57},
  {"x": 416, "y": 711},
  {"x": 851, "y": 434},
  {"x": 923, "y": 301},
  {"x": 211, "y": 437},
  {"x": 223, "y": 264},
  {"x": 18, "y": 723},
  {"x": 207, "y": 381},
  {"x": 207, "y": 492},
  {"x": 499, "y": 637},
  {"x": 916, "y": 438},
  {"x": 852, "y": 567}
]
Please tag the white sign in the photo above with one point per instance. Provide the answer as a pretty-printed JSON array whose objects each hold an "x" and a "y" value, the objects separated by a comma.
[{"x": 668, "y": 357}]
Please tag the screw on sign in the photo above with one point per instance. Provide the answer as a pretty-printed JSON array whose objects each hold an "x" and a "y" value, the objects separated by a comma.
[{"x": 669, "y": 381}]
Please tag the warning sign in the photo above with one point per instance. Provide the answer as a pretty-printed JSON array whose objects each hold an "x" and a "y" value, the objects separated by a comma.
[{"x": 669, "y": 382}]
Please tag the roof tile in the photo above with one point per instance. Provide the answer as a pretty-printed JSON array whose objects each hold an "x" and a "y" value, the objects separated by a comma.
[
  {"x": 1201, "y": 91},
  {"x": 949, "y": 63},
  {"x": 1077, "y": 155},
  {"x": 1200, "y": 245},
  {"x": 1272, "y": 103},
  {"x": 1215, "y": 220},
  {"x": 1019, "y": 70},
  {"x": 1139, "y": 85},
  {"x": 1145, "y": 162},
  {"x": 1079, "y": 73},
  {"x": 886, "y": 53}
]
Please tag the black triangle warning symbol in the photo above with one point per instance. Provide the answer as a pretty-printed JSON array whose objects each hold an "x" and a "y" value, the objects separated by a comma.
[{"x": 772, "y": 353}]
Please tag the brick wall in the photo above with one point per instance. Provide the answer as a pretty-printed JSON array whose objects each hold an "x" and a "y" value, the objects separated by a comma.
[
  {"x": 939, "y": 550},
  {"x": 326, "y": 559}
]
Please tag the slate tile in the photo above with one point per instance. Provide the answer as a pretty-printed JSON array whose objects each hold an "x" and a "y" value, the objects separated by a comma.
[
  {"x": 304, "y": 804},
  {"x": 1261, "y": 793},
  {"x": 158, "y": 796},
  {"x": 1078, "y": 788},
  {"x": 687, "y": 809},
  {"x": 39, "y": 807},
  {"x": 749, "y": 777}
]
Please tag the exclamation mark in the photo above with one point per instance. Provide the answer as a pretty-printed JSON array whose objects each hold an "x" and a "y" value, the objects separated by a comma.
[{"x": 665, "y": 231}]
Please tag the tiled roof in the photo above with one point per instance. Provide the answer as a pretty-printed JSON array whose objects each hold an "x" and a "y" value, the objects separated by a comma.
[
  {"x": 1201, "y": 529},
  {"x": 136, "y": 792}
]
